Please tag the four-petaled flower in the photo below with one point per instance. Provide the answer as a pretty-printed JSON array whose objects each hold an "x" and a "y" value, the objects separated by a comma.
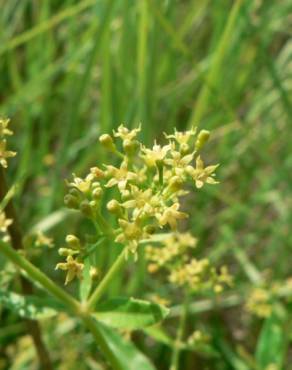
[
  {"x": 182, "y": 137},
  {"x": 72, "y": 267},
  {"x": 201, "y": 175},
  {"x": 125, "y": 134},
  {"x": 170, "y": 216},
  {"x": 4, "y": 154},
  {"x": 119, "y": 176},
  {"x": 154, "y": 155}
]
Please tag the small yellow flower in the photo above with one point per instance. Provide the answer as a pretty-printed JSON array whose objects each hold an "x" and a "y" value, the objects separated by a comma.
[
  {"x": 179, "y": 162},
  {"x": 4, "y": 127},
  {"x": 73, "y": 268},
  {"x": 125, "y": 134},
  {"x": 154, "y": 155},
  {"x": 259, "y": 303},
  {"x": 4, "y": 222},
  {"x": 4, "y": 154},
  {"x": 202, "y": 174},
  {"x": 119, "y": 176},
  {"x": 141, "y": 201},
  {"x": 170, "y": 216},
  {"x": 83, "y": 185},
  {"x": 182, "y": 137},
  {"x": 43, "y": 240}
]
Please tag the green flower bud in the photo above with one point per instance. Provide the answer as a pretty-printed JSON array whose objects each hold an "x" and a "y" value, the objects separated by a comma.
[
  {"x": 86, "y": 209},
  {"x": 107, "y": 141},
  {"x": 113, "y": 206},
  {"x": 97, "y": 193},
  {"x": 203, "y": 137},
  {"x": 94, "y": 273},
  {"x": 130, "y": 146},
  {"x": 73, "y": 241},
  {"x": 74, "y": 192},
  {"x": 184, "y": 148},
  {"x": 71, "y": 201}
]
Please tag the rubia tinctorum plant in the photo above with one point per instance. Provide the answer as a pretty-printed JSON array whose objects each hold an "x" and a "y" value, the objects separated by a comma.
[{"x": 145, "y": 210}]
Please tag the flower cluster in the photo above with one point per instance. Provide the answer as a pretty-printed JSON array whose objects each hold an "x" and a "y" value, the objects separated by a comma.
[
  {"x": 4, "y": 224},
  {"x": 147, "y": 184},
  {"x": 259, "y": 302},
  {"x": 4, "y": 153},
  {"x": 174, "y": 256}
]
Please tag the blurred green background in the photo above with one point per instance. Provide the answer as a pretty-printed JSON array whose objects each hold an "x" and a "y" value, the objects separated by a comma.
[{"x": 71, "y": 70}]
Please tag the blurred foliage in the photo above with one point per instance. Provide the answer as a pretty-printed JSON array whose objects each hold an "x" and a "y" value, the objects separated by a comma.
[{"x": 71, "y": 70}]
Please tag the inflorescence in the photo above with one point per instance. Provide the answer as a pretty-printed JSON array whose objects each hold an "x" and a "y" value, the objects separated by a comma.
[{"x": 141, "y": 191}]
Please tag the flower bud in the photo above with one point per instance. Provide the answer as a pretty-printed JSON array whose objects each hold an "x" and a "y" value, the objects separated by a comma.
[
  {"x": 203, "y": 137},
  {"x": 107, "y": 141},
  {"x": 97, "y": 172},
  {"x": 93, "y": 273},
  {"x": 71, "y": 201},
  {"x": 73, "y": 241},
  {"x": 97, "y": 193},
  {"x": 86, "y": 209},
  {"x": 130, "y": 146},
  {"x": 74, "y": 192},
  {"x": 184, "y": 148},
  {"x": 113, "y": 206}
]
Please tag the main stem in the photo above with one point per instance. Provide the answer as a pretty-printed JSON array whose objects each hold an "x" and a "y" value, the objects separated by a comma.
[
  {"x": 100, "y": 289},
  {"x": 16, "y": 240},
  {"x": 80, "y": 311},
  {"x": 180, "y": 333}
]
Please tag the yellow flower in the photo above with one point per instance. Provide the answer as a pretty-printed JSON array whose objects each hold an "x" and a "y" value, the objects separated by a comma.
[
  {"x": 119, "y": 176},
  {"x": 179, "y": 162},
  {"x": 182, "y": 137},
  {"x": 4, "y": 154},
  {"x": 154, "y": 155},
  {"x": 72, "y": 267},
  {"x": 259, "y": 302},
  {"x": 131, "y": 235},
  {"x": 42, "y": 239},
  {"x": 201, "y": 175},
  {"x": 170, "y": 216},
  {"x": 83, "y": 185},
  {"x": 142, "y": 201},
  {"x": 125, "y": 134},
  {"x": 4, "y": 127},
  {"x": 4, "y": 222}
]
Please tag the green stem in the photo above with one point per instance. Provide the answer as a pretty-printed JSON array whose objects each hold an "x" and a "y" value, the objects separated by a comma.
[
  {"x": 217, "y": 61},
  {"x": 36, "y": 275},
  {"x": 104, "y": 226},
  {"x": 180, "y": 333},
  {"x": 100, "y": 289},
  {"x": 89, "y": 322}
]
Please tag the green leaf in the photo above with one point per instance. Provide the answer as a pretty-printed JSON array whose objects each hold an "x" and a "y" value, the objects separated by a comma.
[
  {"x": 130, "y": 313},
  {"x": 29, "y": 307},
  {"x": 271, "y": 346},
  {"x": 159, "y": 335},
  {"x": 124, "y": 355},
  {"x": 86, "y": 282}
]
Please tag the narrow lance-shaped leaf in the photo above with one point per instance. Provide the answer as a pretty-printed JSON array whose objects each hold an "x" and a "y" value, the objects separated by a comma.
[
  {"x": 130, "y": 313},
  {"x": 124, "y": 354},
  {"x": 271, "y": 346}
]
